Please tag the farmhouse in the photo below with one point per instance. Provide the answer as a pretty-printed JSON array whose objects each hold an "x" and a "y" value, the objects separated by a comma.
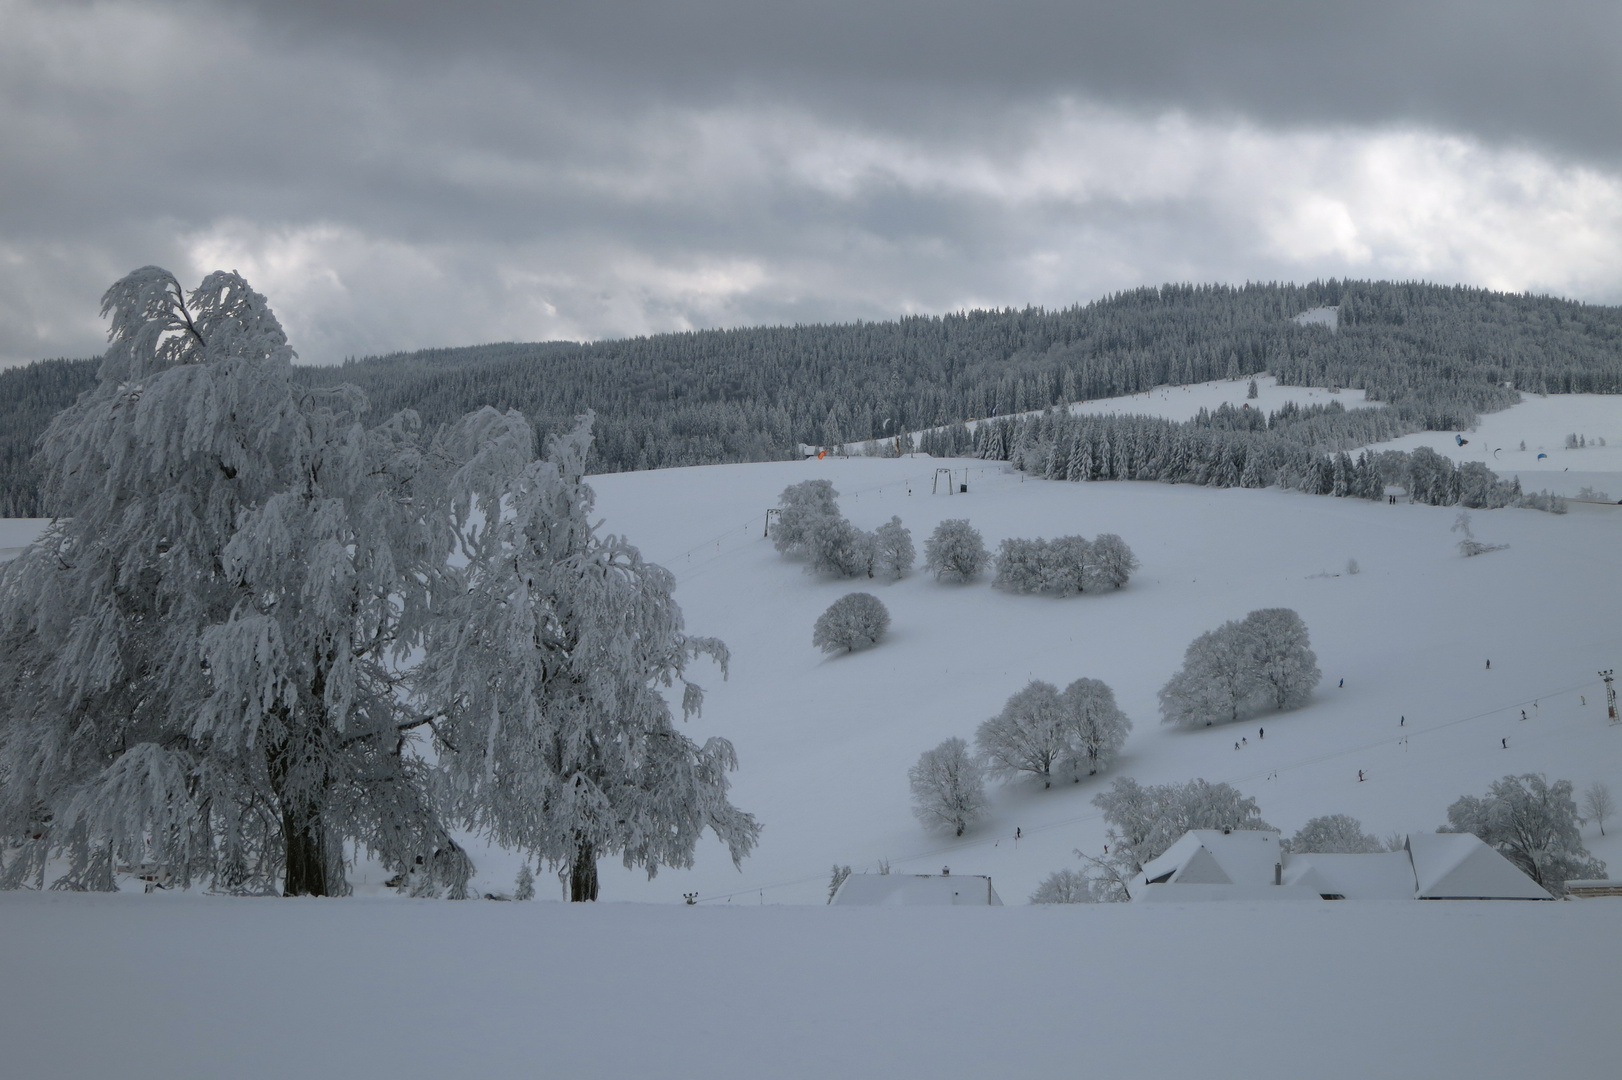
[{"x": 1218, "y": 864}]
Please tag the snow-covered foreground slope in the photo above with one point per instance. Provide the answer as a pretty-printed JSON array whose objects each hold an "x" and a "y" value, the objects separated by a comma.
[
  {"x": 143, "y": 987},
  {"x": 825, "y": 742}
]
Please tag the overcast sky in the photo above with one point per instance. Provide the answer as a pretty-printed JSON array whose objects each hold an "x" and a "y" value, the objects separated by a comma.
[{"x": 395, "y": 175}]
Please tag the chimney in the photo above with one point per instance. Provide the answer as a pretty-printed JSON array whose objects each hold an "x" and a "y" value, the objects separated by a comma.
[{"x": 1278, "y": 873}]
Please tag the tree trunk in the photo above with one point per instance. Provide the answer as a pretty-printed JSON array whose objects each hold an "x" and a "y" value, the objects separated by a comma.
[
  {"x": 583, "y": 873},
  {"x": 306, "y": 845}
]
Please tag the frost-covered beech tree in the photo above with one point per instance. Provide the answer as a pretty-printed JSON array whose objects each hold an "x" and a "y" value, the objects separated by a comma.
[
  {"x": 1096, "y": 725},
  {"x": 1029, "y": 736},
  {"x": 802, "y": 504},
  {"x": 955, "y": 551},
  {"x": 855, "y": 621},
  {"x": 1110, "y": 562},
  {"x": 1020, "y": 565},
  {"x": 199, "y": 655},
  {"x": 1533, "y": 824},
  {"x": 948, "y": 788},
  {"x": 1282, "y": 662},
  {"x": 893, "y": 553},
  {"x": 835, "y": 546},
  {"x": 1598, "y": 803},
  {"x": 1264, "y": 660},
  {"x": 547, "y": 668},
  {"x": 1334, "y": 834},
  {"x": 1214, "y": 683},
  {"x": 1064, "y": 886}
]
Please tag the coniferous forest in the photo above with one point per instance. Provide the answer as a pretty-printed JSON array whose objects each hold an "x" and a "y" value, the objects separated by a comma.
[{"x": 1437, "y": 355}]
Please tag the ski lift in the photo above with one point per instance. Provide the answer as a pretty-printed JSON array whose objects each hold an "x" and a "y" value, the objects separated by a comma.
[{"x": 935, "y": 488}]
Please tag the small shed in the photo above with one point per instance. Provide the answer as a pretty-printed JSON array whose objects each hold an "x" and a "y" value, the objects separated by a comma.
[
  {"x": 917, "y": 890},
  {"x": 1588, "y": 888}
]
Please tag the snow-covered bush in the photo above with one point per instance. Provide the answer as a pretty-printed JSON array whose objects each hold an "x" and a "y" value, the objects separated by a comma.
[
  {"x": 893, "y": 553},
  {"x": 955, "y": 551},
  {"x": 1533, "y": 824},
  {"x": 1266, "y": 659},
  {"x": 1470, "y": 546},
  {"x": 1110, "y": 563},
  {"x": 948, "y": 790},
  {"x": 1065, "y": 886},
  {"x": 1020, "y": 565},
  {"x": 1334, "y": 834},
  {"x": 1064, "y": 566},
  {"x": 524, "y": 884},
  {"x": 854, "y": 621}
]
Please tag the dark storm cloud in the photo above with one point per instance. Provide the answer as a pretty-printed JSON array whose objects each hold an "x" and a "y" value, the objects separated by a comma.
[{"x": 395, "y": 175}]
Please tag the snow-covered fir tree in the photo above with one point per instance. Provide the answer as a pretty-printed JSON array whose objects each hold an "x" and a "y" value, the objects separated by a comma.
[
  {"x": 853, "y": 622},
  {"x": 547, "y": 666},
  {"x": 948, "y": 787}
]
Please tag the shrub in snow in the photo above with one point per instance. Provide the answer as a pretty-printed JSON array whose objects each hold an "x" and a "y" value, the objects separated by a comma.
[
  {"x": 836, "y": 879},
  {"x": 893, "y": 553},
  {"x": 1352, "y": 569},
  {"x": 1334, "y": 834},
  {"x": 955, "y": 551},
  {"x": 1470, "y": 545},
  {"x": 1533, "y": 824},
  {"x": 802, "y": 504},
  {"x": 948, "y": 790},
  {"x": 855, "y": 621},
  {"x": 1264, "y": 660}
]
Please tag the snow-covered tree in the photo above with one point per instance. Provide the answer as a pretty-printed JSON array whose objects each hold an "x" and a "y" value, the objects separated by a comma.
[
  {"x": 1145, "y": 821},
  {"x": 200, "y": 653},
  {"x": 1334, "y": 834},
  {"x": 1065, "y": 886},
  {"x": 1214, "y": 683},
  {"x": 1064, "y": 565},
  {"x": 955, "y": 551},
  {"x": 836, "y": 879},
  {"x": 802, "y": 504},
  {"x": 1533, "y": 824},
  {"x": 948, "y": 787},
  {"x": 893, "y": 553},
  {"x": 524, "y": 885},
  {"x": 1096, "y": 726},
  {"x": 855, "y": 621},
  {"x": 1282, "y": 662},
  {"x": 1264, "y": 660},
  {"x": 1020, "y": 565},
  {"x": 1110, "y": 562},
  {"x": 1598, "y": 803},
  {"x": 1029, "y": 736},
  {"x": 547, "y": 667},
  {"x": 835, "y": 546}
]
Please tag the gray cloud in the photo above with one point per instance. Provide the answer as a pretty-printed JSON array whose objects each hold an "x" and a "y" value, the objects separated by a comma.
[{"x": 397, "y": 176}]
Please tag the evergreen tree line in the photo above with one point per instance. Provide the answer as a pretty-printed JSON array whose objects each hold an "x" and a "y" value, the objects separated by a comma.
[
  {"x": 1438, "y": 354},
  {"x": 1287, "y": 453}
]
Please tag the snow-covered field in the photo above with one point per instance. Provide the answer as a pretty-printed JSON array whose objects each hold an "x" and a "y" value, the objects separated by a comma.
[
  {"x": 192, "y": 987},
  {"x": 196, "y": 986}
]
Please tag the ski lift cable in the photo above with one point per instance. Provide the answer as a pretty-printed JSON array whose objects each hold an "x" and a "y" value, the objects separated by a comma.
[{"x": 1079, "y": 819}]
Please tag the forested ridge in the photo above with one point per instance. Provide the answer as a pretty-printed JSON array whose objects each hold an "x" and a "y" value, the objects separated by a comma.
[{"x": 1440, "y": 354}]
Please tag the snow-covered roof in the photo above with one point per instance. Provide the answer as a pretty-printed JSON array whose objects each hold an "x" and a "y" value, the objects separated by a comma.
[
  {"x": 1216, "y": 857},
  {"x": 916, "y": 890},
  {"x": 1383, "y": 875},
  {"x": 1458, "y": 866}
]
